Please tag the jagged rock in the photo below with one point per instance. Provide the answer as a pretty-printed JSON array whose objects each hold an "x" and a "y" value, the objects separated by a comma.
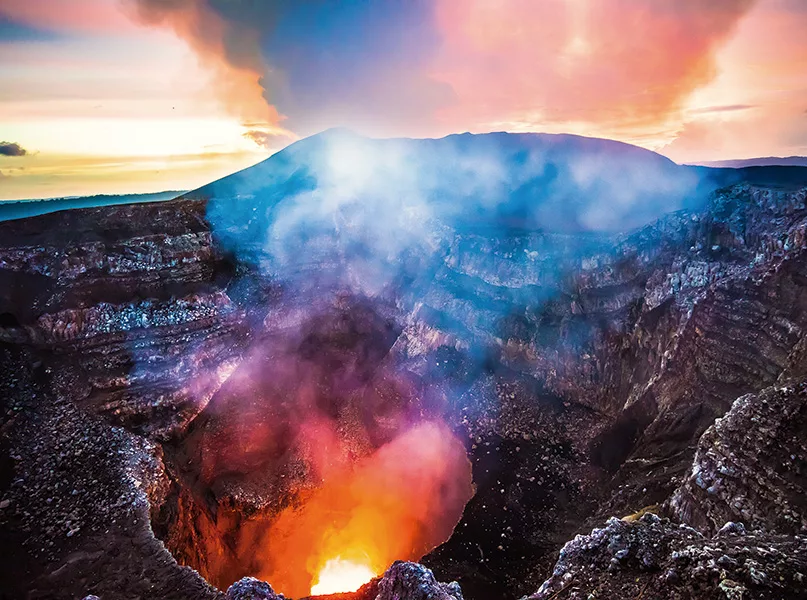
[
  {"x": 654, "y": 558},
  {"x": 139, "y": 315},
  {"x": 249, "y": 588},
  {"x": 750, "y": 466},
  {"x": 732, "y": 528},
  {"x": 411, "y": 581}
]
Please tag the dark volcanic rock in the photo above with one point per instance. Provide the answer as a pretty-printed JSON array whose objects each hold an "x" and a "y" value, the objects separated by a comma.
[
  {"x": 751, "y": 466},
  {"x": 410, "y": 581},
  {"x": 403, "y": 581},
  {"x": 250, "y": 588},
  {"x": 627, "y": 384},
  {"x": 76, "y": 500},
  {"x": 653, "y": 558},
  {"x": 130, "y": 303}
]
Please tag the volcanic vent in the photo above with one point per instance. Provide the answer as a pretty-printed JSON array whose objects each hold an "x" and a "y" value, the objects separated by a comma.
[{"x": 317, "y": 464}]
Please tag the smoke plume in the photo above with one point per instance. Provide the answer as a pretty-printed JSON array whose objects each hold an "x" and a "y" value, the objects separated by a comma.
[
  {"x": 358, "y": 465},
  {"x": 230, "y": 48},
  {"x": 418, "y": 67},
  {"x": 398, "y": 503},
  {"x": 616, "y": 62},
  {"x": 366, "y": 211}
]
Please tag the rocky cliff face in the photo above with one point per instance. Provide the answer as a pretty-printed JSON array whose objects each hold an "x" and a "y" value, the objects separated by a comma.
[
  {"x": 749, "y": 466},
  {"x": 587, "y": 372},
  {"x": 129, "y": 303}
]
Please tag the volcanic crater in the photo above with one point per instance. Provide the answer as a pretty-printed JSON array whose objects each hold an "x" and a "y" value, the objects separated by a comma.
[{"x": 308, "y": 371}]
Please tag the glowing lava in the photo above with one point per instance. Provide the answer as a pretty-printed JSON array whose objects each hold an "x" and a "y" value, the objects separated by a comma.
[
  {"x": 395, "y": 503},
  {"x": 338, "y": 576}
]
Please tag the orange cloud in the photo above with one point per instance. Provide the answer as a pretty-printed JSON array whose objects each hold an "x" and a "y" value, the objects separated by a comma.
[
  {"x": 271, "y": 139},
  {"x": 605, "y": 61},
  {"x": 762, "y": 68},
  {"x": 781, "y": 131}
]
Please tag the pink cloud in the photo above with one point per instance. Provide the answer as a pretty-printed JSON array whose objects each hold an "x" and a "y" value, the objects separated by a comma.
[
  {"x": 780, "y": 132},
  {"x": 68, "y": 15},
  {"x": 604, "y": 61}
]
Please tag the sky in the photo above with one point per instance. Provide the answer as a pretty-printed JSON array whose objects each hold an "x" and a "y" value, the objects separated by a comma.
[{"x": 128, "y": 96}]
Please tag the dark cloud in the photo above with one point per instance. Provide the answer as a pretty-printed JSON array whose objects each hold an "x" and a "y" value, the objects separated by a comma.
[{"x": 12, "y": 149}]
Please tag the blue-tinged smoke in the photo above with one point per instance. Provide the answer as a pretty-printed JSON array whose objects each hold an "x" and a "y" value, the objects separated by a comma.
[{"x": 359, "y": 214}]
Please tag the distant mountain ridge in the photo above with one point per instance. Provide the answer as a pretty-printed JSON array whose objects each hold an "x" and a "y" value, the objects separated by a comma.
[
  {"x": 545, "y": 180},
  {"x": 766, "y": 161},
  {"x": 20, "y": 209}
]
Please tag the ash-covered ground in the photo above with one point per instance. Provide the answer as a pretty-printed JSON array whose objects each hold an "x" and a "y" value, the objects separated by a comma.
[{"x": 320, "y": 356}]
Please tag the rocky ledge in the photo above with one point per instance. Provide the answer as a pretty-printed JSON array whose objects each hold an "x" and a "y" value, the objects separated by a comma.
[{"x": 654, "y": 558}]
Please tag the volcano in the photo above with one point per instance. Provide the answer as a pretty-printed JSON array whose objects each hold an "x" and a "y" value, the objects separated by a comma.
[{"x": 523, "y": 364}]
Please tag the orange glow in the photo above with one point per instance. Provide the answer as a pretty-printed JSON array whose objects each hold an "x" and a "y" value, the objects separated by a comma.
[
  {"x": 339, "y": 576},
  {"x": 395, "y": 503}
]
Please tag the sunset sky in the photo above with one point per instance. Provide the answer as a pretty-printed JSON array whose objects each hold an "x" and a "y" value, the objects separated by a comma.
[{"x": 124, "y": 96}]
